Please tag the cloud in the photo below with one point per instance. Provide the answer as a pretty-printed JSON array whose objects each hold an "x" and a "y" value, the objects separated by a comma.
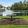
[{"x": 8, "y": 2}]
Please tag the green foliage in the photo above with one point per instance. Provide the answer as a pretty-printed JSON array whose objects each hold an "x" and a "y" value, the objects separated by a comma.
[
  {"x": 19, "y": 6},
  {"x": 1, "y": 6}
]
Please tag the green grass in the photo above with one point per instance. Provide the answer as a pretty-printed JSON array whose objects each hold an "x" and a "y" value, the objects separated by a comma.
[
  {"x": 25, "y": 17},
  {"x": 13, "y": 26},
  {"x": 4, "y": 16}
]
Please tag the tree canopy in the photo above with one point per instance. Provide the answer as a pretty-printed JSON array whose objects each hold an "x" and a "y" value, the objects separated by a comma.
[
  {"x": 19, "y": 6},
  {"x": 1, "y": 6}
]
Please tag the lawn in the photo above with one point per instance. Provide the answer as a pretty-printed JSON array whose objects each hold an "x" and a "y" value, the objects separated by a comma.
[
  {"x": 13, "y": 26},
  {"x": 25, "y": 17},
  {"x": 4, "y": 16}
]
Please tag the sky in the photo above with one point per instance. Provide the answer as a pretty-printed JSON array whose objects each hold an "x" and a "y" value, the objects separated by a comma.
[{"x": 9, "y": 2}]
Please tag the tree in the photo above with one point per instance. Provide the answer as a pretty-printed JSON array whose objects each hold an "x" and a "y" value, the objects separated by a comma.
[
  {"x": 1, "y": 6},
  {"x": 16, "y": 6},
  {"x": 19, "y": 6}
]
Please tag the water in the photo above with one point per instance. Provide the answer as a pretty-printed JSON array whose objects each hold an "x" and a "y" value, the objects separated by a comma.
[{"x": 7, "y": 12}]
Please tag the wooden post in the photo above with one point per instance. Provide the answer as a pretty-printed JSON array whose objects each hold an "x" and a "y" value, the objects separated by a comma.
[{"x": 11, "y": 16}]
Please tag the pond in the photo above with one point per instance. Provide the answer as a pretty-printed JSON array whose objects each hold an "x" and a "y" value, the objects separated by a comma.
[{"x": 7, "y": 12}]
